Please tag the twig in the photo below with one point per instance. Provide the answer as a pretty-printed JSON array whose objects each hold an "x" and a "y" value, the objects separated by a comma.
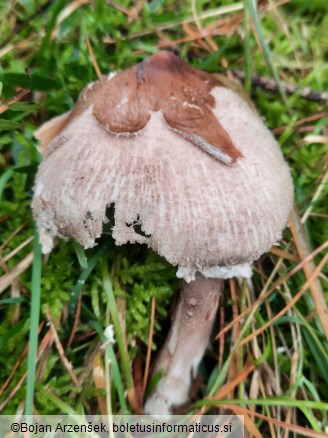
[
  {"x": 270, "y": 85},
  {"x": 302, "y": 121}
]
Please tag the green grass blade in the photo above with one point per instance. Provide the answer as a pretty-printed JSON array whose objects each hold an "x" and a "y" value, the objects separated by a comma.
[
  {"x": 63, "y": 407},
  {"x": 56, "y": 9},
  {"x": 117, "y": 380},
  {"x": 270, "y": 401},
  {"x": 116, "y": 322},
  {"x": 10, "y": 333},
  {"x": 4, "y": 178},
  {"x": 34, "y": 324},
  {"x": 17, "y": 300},
  {"x": 80, "y": 254},
  {"x": 84, "y": 276},
  {"x": 247, "y": 51},
  {"x": 251, "y": 7}
]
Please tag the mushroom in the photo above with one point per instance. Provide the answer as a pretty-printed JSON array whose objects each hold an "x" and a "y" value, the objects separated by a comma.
[{"x": 192, "y": 172}]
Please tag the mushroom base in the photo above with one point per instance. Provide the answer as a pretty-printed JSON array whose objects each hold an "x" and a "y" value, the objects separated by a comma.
[{"x": 185, "y": 345}]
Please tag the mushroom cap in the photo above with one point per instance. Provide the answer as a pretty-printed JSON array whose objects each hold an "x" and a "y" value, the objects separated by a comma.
[{"x": 163, "y": 177}]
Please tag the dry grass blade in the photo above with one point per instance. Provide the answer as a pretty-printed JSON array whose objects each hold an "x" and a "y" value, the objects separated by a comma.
[
  {"x": 15, "y": 292},
  {"x": 283, "y": 254},
  {"x": 278, "y": 379},
  {"x": 291, "y": 411},
  {"x": 15, "y": 251},
  {"x": 13, "y": 392},
  {"x": 249, "y": 423},
  {"x": 100, "y": 382},
  {"x": 212, "y": 13},
  {"x": 60, "y": 349},
  {"x": 221, "y": 340},
  {"x": 320, "y": 139},
  {"x": 7, "y": 279},
  {"x": 299, "y": 294},
  {"x": 254, "y": 390},
  {"x": 76, "y": 320},
  {"x": 316, "y": 196},
  {"x": 230, "y": 386},
  {"x": 93, "y": 58},
  {"x": 20, "y": 96},
  {"x": 69, "y": 9},
  {"x": 263, "y": 297},
  {"x": 210, "y": 43},
  {"x": 235, "y": 334},
  {"x": 303, "y": 249},
  {"x": 301, "y": 431},
  {"x": 19, "y": 361},
  {"x": 150, "y": 343},
  {"x": 10, "y": 238},
  {"x": 198, "y": 36},
  {"x": 4, "y": 218},
  {"x": 131, "y": 13},
  {"x": 45, "y": 341}
]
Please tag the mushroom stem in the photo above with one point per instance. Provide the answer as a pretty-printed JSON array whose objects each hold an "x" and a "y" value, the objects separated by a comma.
[{"x": 185, "y": 346}]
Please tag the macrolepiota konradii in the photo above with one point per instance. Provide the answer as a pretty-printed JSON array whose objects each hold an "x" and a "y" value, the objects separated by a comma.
[{"x": 187, "y": 160}]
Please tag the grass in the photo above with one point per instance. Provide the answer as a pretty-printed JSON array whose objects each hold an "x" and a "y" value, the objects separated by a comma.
[
  {"x": 34, "y": 324},
  {"x": 271, "y": 344}
]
